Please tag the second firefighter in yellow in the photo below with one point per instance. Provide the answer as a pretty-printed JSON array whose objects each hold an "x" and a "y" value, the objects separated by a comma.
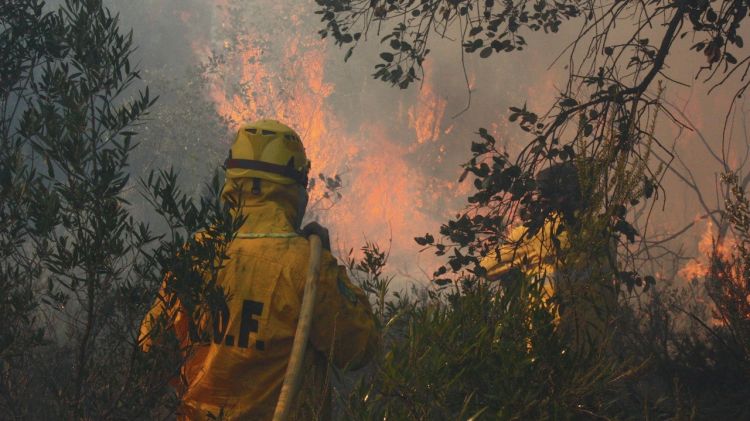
[{"x": 575, "y": 269}]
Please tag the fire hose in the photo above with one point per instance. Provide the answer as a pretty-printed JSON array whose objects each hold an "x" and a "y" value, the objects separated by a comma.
[{"x": 293, "y": 375}]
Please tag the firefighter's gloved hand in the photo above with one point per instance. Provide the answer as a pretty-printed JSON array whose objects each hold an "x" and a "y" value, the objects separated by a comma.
[{"x": 314, "y": 228}]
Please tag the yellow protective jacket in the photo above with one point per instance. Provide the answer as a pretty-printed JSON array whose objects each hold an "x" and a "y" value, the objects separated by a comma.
[
  {"x": 535, "y": 256},
  {"x": 579, "y": 276},
  {"x": 240, "y": 373}
]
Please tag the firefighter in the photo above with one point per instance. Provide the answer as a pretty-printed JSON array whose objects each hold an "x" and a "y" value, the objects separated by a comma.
[
  {"x": 572, "y": 260},
  {"x": 239, "y": 374}
]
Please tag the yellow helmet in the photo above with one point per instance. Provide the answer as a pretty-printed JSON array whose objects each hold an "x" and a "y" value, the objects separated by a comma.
[{"x": 269, "y": 150}]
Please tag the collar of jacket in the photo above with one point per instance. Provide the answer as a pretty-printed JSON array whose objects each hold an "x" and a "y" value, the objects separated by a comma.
[{"x": 277, "y": 209}]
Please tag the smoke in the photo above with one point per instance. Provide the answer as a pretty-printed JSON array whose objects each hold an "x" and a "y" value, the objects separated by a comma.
[{"x": 398, "y": 151}]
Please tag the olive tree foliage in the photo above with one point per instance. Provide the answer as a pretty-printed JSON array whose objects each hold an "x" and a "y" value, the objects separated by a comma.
[
  {"x": 77, "y": 271},
  {"x": 603, "y": 119},
  {"x": 183, "y": 131},
  {"x": 17, "y": 178}
]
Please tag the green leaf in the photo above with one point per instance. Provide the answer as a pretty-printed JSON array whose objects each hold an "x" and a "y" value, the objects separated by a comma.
[
  {"x": 423, "y": 241},
  {"x": 568, "y": 102},
  {"x": 711, "y": 15}
]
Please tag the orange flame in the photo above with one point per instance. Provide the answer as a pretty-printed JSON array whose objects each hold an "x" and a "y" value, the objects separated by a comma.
[
  {"x": 698, "y": 268},
  {"x": 427, "y": 115},
  {"x": 386, "y": 195}
]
